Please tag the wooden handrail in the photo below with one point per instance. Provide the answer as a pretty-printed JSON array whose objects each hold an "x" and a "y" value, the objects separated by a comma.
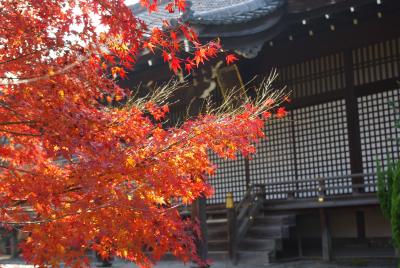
[
  {"x": 245, "y": 197},
  {"x": 349, "y": 176},
  {"x": 320, "y": 188},
  {"x": 241, "y": 216}
]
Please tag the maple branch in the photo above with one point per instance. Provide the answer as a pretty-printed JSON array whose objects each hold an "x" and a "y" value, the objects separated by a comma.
[
  {"x": 89, "y": 210},
  {"x": 18, "y": 123},
  {"x": 20, "y": 57},
  {"x": 12, "y": 169},
  {"x": 20, "y": 134},
  {"x": 16, "y": 203},
  {"x": 5, "y": 106},
  {"x": 27, "y": 80}
]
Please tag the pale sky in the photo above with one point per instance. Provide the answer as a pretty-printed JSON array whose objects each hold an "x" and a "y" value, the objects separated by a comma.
[{"x": 131, "y": 2}]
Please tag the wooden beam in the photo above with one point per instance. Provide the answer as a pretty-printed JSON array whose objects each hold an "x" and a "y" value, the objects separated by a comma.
[
  {"x": 325, "y": 235},
  {"x": 199, "y": 213}
]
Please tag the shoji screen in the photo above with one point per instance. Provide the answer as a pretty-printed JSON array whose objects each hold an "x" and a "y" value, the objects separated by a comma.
[
  {"x": 274, "y": 162},
  {"x": 322, "y": 147},
  {"x": 377, "y": 131},
  {"x": 230, "y": 177}
]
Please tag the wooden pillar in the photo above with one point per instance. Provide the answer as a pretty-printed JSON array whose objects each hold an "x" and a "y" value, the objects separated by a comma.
[
  {"x": 14, "y": 244},
  {"x": 231, "y": 217},
  {"x": 353, "y": 124},
  {"x": 360, "y": 221},
  {"x": 326, "y": 236},
  {"x": 199, "y": 213},
  {"x": 247, "y": 172},
  {"x": 299, "y": 243}
]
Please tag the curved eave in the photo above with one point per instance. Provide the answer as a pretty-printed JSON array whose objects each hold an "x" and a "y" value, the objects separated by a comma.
[
  {"x": 243, "y": 29},
  {"x": 246, "y": 41}
]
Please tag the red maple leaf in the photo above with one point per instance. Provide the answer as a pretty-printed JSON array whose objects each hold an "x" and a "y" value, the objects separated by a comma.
[
  {"x": 175, "y": 64},
  {"x": 166, "y": 56},
  {"x": 170, "y": 8},
  {"x": 189, "y": 65},
  {"x": 281, "y": 112},
  {"x": 173, "y": 35},
  {"x": 181, "y": 5},
  {"x": 231, "y": 58},
  {"x": 266, "y": 115},
  {"x": 153, "y": 7}
]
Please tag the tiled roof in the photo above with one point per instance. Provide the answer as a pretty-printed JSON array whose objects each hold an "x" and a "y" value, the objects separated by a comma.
[
  {"x": 222, "y": 18},
  {"x": 233, "y": 11},
  {"x": 154, "y": 19},
  {"x": 212, "y": 12}
]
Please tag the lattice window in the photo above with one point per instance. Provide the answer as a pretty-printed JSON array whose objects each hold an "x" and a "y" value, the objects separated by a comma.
[
  {"x": 378, "y": 132},
  {"x": 315, "y": 76},
  {"x": 274, "y": 163},
  {"x": 230, "y": 177},
  {"x": 322, "y": 148},
  {"x": 376, "y": 62}
]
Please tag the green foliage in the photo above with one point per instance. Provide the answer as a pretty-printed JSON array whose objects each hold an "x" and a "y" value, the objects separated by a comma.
[
  {"x": 395, "y": 206},
  {"x": 389, "y": 192},
  {"x": 385, "y": 188}
]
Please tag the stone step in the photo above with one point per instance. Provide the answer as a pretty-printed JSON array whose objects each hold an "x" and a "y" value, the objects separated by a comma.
[
  {"x": 213, "y": 222},
  {"x": 262, "y": 244},
  {"x": 218, "y": 255},
  {"x": 217, "y": 231},
  {"x": 271, "y": 220},
  {"x": 213, "y": 255},
  {"x": 216, "y": 213},
  {"x": 265, "y": 231},
  {"x": 256, "y": 258},
  {"x": 217, "y": 245}
]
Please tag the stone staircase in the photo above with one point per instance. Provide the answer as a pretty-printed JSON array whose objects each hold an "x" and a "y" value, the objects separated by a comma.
[
  {"x": 217, "y": 234},
  {"x": 261, "y": 242},
  {"x": 265, "y": 237}
]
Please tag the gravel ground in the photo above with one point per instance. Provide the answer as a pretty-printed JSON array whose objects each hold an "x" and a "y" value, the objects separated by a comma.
[{"x": 18, "y": 263}]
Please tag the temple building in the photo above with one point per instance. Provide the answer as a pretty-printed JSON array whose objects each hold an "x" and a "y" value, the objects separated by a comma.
[{"x": 316, "y": 169}]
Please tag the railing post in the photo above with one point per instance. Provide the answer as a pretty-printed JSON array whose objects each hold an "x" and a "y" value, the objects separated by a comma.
[
  {"x": 231, "y": 217},
  {"x": 263, "y": 192},
  {"x": 321, "y": 189}
]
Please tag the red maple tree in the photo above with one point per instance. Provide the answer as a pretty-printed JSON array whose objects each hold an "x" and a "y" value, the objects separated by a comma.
[{"x": 78, "y": 174}]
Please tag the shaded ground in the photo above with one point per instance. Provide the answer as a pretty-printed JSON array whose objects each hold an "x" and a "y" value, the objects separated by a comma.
[{"x": 18, "y": 263}]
